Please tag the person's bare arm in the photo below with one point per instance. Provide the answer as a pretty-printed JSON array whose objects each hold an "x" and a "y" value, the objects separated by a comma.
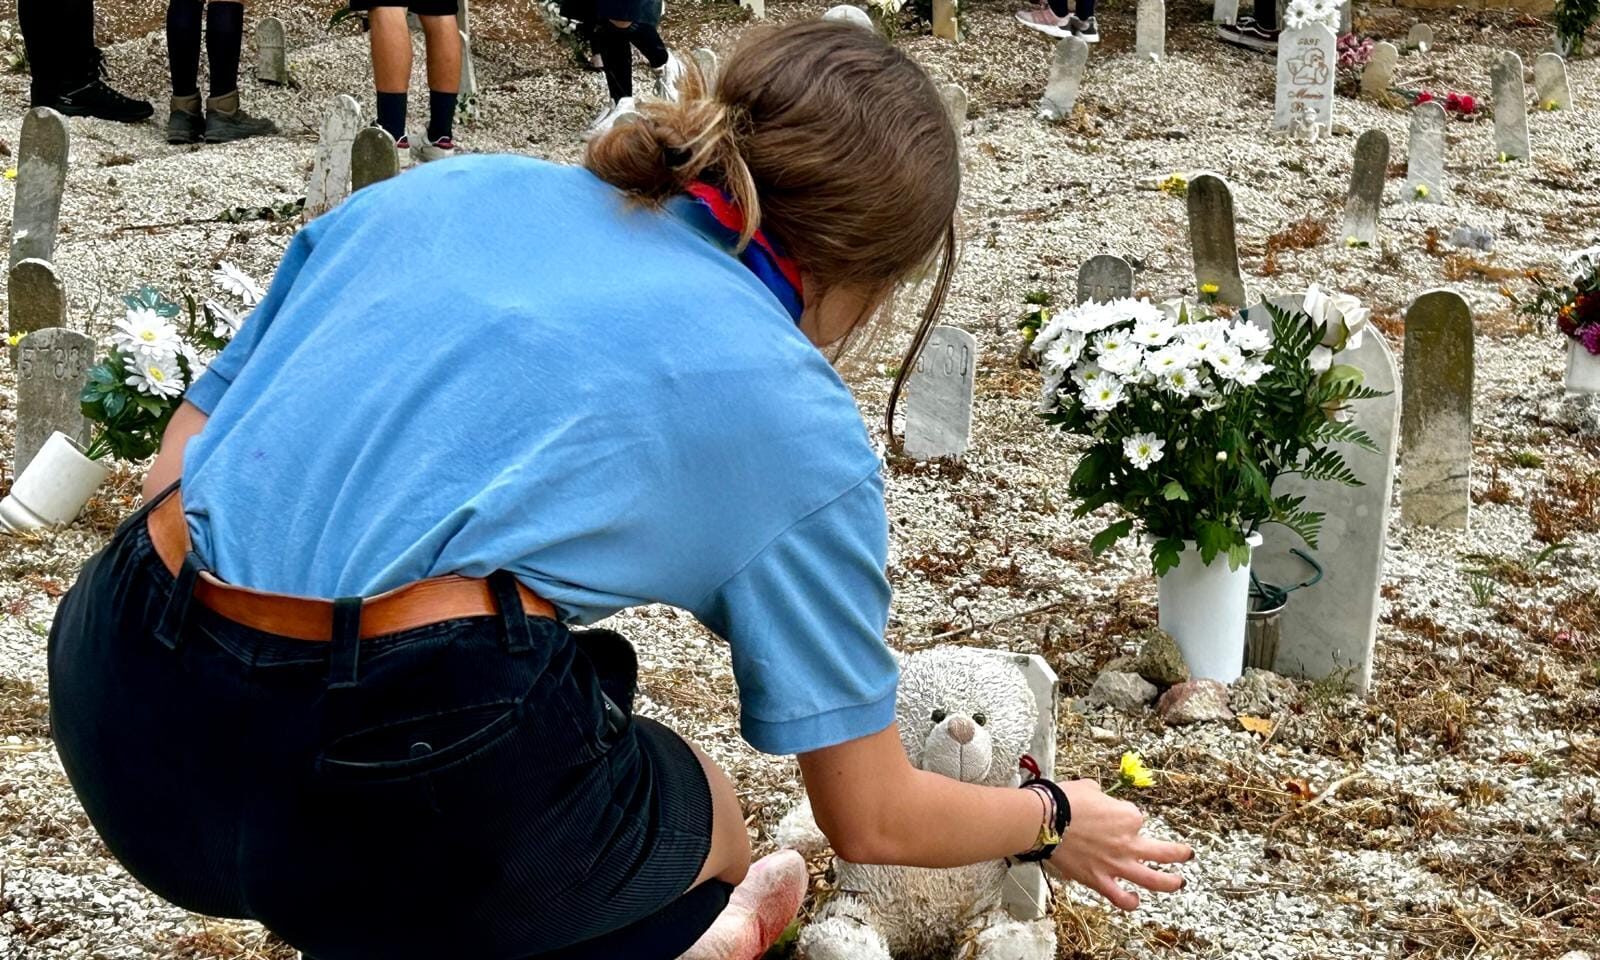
[
  {"x": 875, "y": 807},
  {"x": 186, "y": 421}
]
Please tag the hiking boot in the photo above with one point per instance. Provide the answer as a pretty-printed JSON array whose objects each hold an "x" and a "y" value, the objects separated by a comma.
[
  {"x": 608, "y": 118},
  {"x": 226, "y": 121},
  {"x": 1044, "y": 20},
  {"x": 1086, "y": 30},
  {"x": 427, "y": 152},
  {"x": 94, "y": 98},
  {"x": 1246, "y": 32},
  {"x": 186, "y": 124},
  {"x": 667, "y": 77}
]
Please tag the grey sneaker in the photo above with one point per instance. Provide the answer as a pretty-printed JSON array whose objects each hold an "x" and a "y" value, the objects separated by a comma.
[
  {"x": 429, "y": 151},
  {"x": 186, "y": 124},
  {"x": 667, "y": 77},
  {"x": 226, "y": 121},
  {"x": 1086, "y": 30}
]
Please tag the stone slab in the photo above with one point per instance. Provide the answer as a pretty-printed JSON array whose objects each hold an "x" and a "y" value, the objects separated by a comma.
[
  {"x": 373, "y": 158},
  {"x": 1420, "y": 37},
  {"x": 1510, "y": 108},
  {"x": 330, "y": 166},
  {"x": 945, "y": 24},
  {"x": 1104, "y": 277},
  {"x": 939, "y": 395},
  {"x": 1066, "y": 73},
  {"x": 1378, "y": 75},
  {"x": 1425, "y": 153},
  {"x": 1150, "y": 30},
  {"x": 272, "y": 56},
  {"x": 1308, "y": 61},
  {"x": 1026, "y": 896},
  {"x": 42, "y": 154},
  {"x": 1436, "y": 412},
  {"x": 1367, "y": 176},
  {"x": 52, "y": 367},
  {"x": 1552, "y": 91},
  {"x": 35, "y": 298},
  {"x": 1213, "y": 237}
]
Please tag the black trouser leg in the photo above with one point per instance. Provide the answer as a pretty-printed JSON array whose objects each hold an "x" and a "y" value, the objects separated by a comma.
[
  {"x": 1266, "y": 14},
  {"x": 647, "y": 40},
  {"x": 224, "y": 43},
  {"x": 611, "y": 41},
  {"x": 183, "y": 45},
  {"x": 59, "y": 38}
]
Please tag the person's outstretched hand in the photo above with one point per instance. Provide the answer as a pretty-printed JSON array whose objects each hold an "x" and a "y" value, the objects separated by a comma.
[{"x": 1103, "y": 845}]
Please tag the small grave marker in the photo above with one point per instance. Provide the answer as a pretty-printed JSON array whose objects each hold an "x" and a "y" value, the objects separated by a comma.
[
  {"x": 35, "y": 298},
  {"x": 1378, "y": 75},
  {"x": 468, "y": 87},
  {"x": 757, "y": 8},
  {"x": 1436, "y": 412},
  {"x": 373, "y": 158},
  {"x": 41, "y": 178},
  {"x": 945, "y": 26},
  {"x": 1425, "y": 154},
  {"x": 846, "y": 13},
  {"x": 52, "y": 366},
  {"x": 1510, "y": 108},
  {"x": 1550, "y": 82},
  {"x": 939, "y": 395},
  {"x": 1104, "y": 277},
  {"x": 330, "y": 168},
  {"x": 1307, "y": 59},
  {"x": 1367, "y": 174},
  {"x": 1066, "y": 72},
  {"x": 1225, "y": 11},
  {"x": 1328, "y": 629},
  {"x": 1420, "y": 38},
  {"x": 706, "y": 60},
  {"x": 1212, "y": 234},
  {"x": 1150, "y": 36},
  {"x": 955, "y": 101},
  {"x": 1026, "y": 896},
  {"x": 272, "y": 64}
]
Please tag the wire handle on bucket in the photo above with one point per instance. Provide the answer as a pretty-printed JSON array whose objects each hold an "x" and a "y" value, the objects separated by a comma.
[{"x": 1270, "y": 596}]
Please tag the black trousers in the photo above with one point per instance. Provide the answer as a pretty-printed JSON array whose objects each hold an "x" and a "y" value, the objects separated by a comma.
[
  {"x": 59, "y": 38},
  {"x": 472, "y": 789}
]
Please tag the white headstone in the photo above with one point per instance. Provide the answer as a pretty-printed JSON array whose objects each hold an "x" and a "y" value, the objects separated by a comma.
[
  {"x": 1436, "y": 412},
  {"x": 757, "y": 8},
  {"x": 35, "y": 298},
  {"x": 1347, "y": 17},
  {"x": 1550, "y": 82},
  {"x": 1510, "y": 108},
  {"x": 845, "y": 13},
  {"x": 330, "y": 167},
  {"x": 1367, "y": 176},
  {"x": 41, "y": 178},
  {"x": 52, "y": 367},
  {"x": 1150, "y": 30},
  {"x": 1307, "y": 64},
  {"x": 1328, "y": 629},
  {"x": 373, "y": 158},
  {"x": 945, "y": 26},
  {"x": 1026, "y": 895},
  {"x": 272, "y": 64},
  {"x": 1066, "y": 72},
  {"x": 939, "y": 395},
  {"x": 1225, "y": 11},
  {"x": 1378, "y": 75},
  {"x": 1212, "y": 235},
  {"x": 955, "y": 102},
  {"x": 1425, "y": 154},
  {"x": 706, "y": 60},
  {"x": 467, "y": 91},
  {"x": 1104, "y": 277},
  {"x": 1420, "y": 38}
]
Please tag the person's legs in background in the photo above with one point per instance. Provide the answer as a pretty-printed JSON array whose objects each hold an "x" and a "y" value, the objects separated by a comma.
[
  {"x": 616, "y": 58},
  {"x": 1052, "y": 19},
  {"x": 67, "y": 67},
  {"x": 226, "y": 121},
  {"x": 443, "y": 39},
  {"x": 646, "y": 38},
  {"x": 1257, "y": 32},
  {"x": 186, "y": 123},
  {"x": 391, "y": 68}
]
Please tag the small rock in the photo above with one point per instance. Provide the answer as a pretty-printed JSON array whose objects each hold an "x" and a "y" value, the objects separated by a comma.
[
  {"x": 1160, "y": 661},
  {"x": 1576, "y": 955},
  {"x": 1195, "y": 701},
  {"x": 1262, "y": 693},
  {"x": 1102, "y": 735},
  {"x": 1123, "y": 664},
  {"x": 1472, "y": 238},
  {"x": 1127, "y": 692}
]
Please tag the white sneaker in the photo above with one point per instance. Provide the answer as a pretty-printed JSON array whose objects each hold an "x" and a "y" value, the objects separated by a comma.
[
  {"x": 608, "y": 118},
  {"x": 667, "y": 77}
]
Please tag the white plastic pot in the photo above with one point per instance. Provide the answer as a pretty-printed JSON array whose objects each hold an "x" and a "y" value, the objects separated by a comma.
[
  {"x": 53, "y": 488},
  {"x": 1583, "y": 369},
  {"x": 1204, "y": 607}
]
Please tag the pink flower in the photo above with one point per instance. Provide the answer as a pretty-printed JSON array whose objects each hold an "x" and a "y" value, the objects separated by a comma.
[{"x": 1590, "y": 338}]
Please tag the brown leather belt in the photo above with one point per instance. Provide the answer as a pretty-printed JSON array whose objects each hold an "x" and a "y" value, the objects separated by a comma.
[{"x": 303, "y": 618}]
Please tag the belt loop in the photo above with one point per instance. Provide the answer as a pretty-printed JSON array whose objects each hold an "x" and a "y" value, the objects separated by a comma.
[
  {"x": 169, "y": 630},
  {"x": 514, "y": 620},
  {"x": 346, "y": 653}
]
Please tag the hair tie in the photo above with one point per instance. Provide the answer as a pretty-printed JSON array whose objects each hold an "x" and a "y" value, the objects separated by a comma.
[{"x": 675, "y": 157}]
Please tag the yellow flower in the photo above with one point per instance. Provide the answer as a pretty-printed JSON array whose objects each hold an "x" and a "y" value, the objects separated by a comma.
[
  {"x": 14, "y": 339},
  {"x": 1422, "y": 191},
  {"x": 1552, "y": 105},
  {"x": 1134, "y": 772},
  {"x": 1174, "y": 185},
  {"x": 1209, "y": 289},
  {"x": 11, "y": 174}
]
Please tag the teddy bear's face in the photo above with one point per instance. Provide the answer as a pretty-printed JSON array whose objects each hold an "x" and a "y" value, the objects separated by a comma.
[{"x": 965, "y": 714}]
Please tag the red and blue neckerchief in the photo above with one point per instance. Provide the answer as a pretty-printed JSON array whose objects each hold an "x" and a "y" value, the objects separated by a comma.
[{"x": 779, "y": 273}]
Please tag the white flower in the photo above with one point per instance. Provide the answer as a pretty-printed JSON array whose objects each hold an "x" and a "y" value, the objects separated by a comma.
[
  {"x": 1121, "y": 357},
  {"x": 1092, "y": 317},
  {"x": 225, "y": 323},
  {"x": 145, "y": 333},
  {"x": 1212, "y": 402},
  {"x": 1139, "y": 311},
  {"x": 1087, "y": 374},
  {"x": 1582, "y": 263},
  {"x": 1251, "y": 373},
  {"x": 1182, "y": 381},
  {"x": 1228, "y": 361},
  {"x": 1343, "y": 315},
  {"x": 156, "y": 376},
  {"x": 1064, "y": 352},
  {"x": 1152, "y": 333},
  {"x": 1174, "y": 356},
  {"x": 1222, "y": 456},
  {"x": 1204, "y": 339},
  {"x": 235, "y": 281},
  {"x": 1249, "y": 337},
  {"x": 1320, "y": 360},
  {"x": 1143, "y": 449},
  {"x": 1104, "y": 394}
]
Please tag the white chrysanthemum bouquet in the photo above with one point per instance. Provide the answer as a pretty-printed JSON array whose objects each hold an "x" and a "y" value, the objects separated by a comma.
[
  {"x": 1299, "y": 13},
  {"x": 132, "y": 393},
  {"x": 1191, "y": 417}
]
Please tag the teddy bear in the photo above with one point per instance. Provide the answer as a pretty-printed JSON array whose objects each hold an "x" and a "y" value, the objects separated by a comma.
[{"x": 969, "y": 715}]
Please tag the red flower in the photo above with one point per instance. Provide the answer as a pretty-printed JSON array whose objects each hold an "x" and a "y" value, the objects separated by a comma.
[
  {"x": 1567, "y": 320},
  {"x": 1424, "y": 97}
]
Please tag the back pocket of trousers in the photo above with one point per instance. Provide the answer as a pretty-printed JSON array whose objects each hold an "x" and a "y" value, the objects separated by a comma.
[{"x": 400, "y": 749}]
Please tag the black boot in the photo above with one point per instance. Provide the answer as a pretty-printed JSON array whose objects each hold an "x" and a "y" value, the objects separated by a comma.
[{"x": 92, "y": 97}]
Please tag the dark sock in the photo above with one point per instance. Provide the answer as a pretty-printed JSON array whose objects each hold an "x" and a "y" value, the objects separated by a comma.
[
  {"x": 441, "y": 115},
  {"x": 647, "y": 39},
  {"x": 392, "y": 113},
  {"x": 224, "y": 40},
  {"x": 183, "y": 46},
  {"x": 612, "y": 44}
]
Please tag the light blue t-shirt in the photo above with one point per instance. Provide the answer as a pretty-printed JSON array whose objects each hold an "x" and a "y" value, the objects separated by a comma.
[{"x": 499, "y": 363}]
